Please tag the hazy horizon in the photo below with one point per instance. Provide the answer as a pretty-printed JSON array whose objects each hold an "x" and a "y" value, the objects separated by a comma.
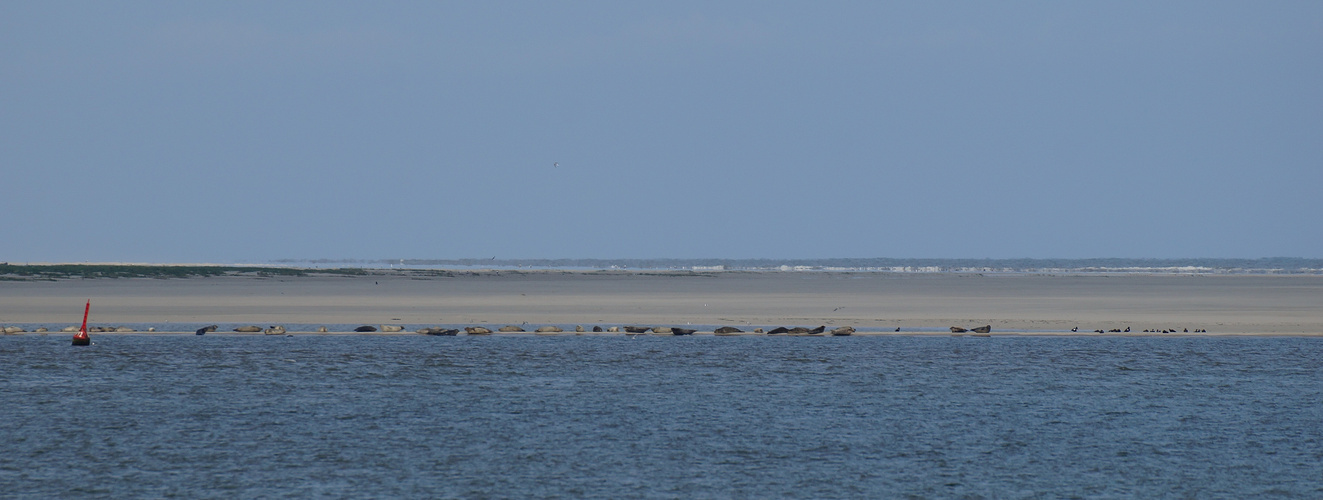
[{"x": 231, "y": 132}]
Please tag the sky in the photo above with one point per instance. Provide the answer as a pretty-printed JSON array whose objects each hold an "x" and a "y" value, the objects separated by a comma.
[{"x": 249, "y": 131}]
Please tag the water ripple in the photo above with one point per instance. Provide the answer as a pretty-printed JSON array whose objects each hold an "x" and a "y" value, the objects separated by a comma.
[{"x": 659, "y": 417}]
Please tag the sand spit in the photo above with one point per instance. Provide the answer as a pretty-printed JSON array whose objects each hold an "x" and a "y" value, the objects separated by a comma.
[{"x": 874, "y": 303}]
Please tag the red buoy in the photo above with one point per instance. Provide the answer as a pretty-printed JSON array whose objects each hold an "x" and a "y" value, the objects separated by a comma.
[{"x": 81, "y": 338}]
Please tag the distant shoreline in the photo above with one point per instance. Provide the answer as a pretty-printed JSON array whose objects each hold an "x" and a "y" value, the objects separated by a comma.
[{"x": 291, "y": 268}]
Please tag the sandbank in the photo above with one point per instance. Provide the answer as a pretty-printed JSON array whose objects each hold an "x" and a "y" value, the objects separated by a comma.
[{"x": 880, "y": 302}]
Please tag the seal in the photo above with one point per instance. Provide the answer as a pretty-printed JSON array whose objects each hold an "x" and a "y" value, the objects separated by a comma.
[{"x": 438, "y": 331}]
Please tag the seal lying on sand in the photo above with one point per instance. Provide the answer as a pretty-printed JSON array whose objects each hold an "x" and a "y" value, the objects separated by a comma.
[
  {"x": 682, "y": 331},
  {"x": 365, "y": 329},
  {"x": 207, "y": 329},
  {"x": 439, "y": 331},
  {"x": 511, "y": 328},
  {"x": 476, "y": 330},
  {"x": 275, "y": 330},
  {"x": 983, "y": 329},
  {"x": 956, "y": 329},
  {"x": 392, "y": 328},
  {"x": 637, "y": 329},
  {"x": 248, "y": 329},
  {"x": 727, "y": 329},
  {"x": 843, "y": 331},
  {"x": 549, "y": 329},
  {"x": 779, "y": 329}
]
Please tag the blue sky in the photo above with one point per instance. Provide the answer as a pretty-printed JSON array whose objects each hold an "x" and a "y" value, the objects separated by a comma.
[{"x": 245, "y": 131}]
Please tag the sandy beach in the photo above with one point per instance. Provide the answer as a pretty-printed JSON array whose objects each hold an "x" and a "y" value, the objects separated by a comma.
[{"x": 1220, "y": 304}]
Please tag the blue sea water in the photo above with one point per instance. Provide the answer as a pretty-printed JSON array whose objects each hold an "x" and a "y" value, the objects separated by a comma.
[{"x": 660, "y": 417}]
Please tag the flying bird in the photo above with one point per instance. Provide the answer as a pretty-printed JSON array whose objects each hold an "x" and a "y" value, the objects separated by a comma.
[{"x": 555, "y": 164}]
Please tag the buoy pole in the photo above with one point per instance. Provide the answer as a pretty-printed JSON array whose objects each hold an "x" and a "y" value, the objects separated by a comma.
[{"x": 81, "y": 338}]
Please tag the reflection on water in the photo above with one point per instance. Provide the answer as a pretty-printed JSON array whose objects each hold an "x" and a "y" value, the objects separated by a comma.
[{"x": 372, "y": 416}]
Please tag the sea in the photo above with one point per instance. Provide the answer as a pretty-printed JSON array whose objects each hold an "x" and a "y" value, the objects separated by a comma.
[{"x": 359, "y": 416}]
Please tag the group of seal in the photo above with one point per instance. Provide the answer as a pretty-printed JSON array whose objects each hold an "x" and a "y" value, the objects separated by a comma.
[
  {"x": 1154, "y": 330},
  {"x": 799, "y": 330},
  {"x": 638, "y": 330},
  {"x": 478, "y": 330},
  {"x": 10, "y": 330},
  {"x": 550, "y": 329},
  {"x": 72, "y": 329}
]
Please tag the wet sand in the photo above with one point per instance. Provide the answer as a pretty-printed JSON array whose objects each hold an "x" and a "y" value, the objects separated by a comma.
[{"x": 1221, "y": 304}]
